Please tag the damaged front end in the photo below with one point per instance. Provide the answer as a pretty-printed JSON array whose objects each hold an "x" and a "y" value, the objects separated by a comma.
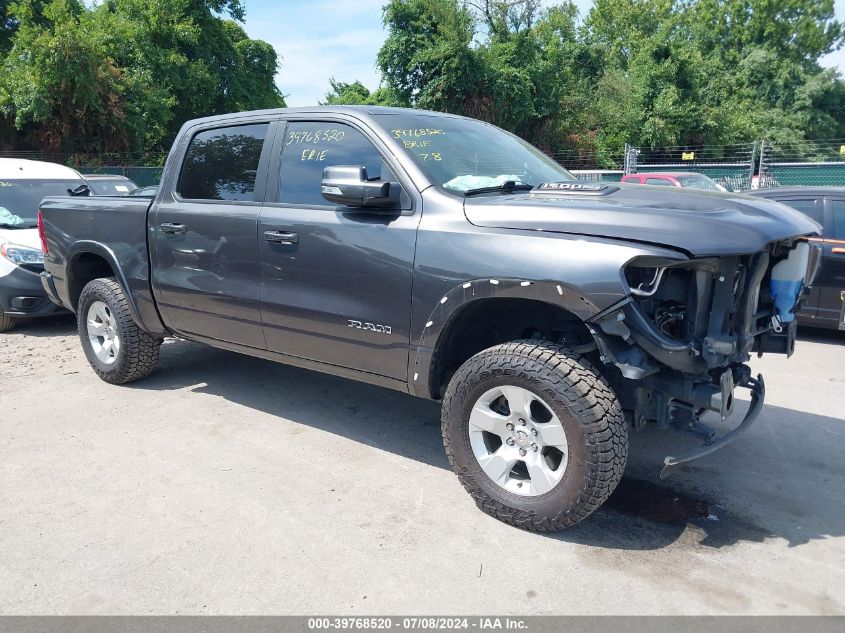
[{"x": 681, "y": 339}]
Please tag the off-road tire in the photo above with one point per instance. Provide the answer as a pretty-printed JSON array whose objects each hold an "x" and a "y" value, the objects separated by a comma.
[
  {"x": 592, "y": 418},
  {"x": 6, "y": 323},
  {"x": 138, "y": 353}
]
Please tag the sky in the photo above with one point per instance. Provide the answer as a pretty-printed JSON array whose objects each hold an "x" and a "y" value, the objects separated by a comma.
[{"x": 321, "y": 39}]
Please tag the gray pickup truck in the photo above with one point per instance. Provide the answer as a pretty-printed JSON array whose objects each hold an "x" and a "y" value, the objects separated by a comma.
[{"x": 445, "y": 258}]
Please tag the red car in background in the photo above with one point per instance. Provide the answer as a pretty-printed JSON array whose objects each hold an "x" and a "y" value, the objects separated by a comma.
[{"x": 686, "y": 179}]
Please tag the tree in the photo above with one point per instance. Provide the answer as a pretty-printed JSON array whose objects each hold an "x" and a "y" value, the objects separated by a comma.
[
  {"x": 8, "y": 26},
  {"x": 432, "y": 59},
  {"x": 618, "y": 27},
  {"x": 426, "y": 59},
  {"x": 341, "y": 93},
  {"x": 715, "y": 71},
  {"x": 801, "y": 31},
  {"x": 206, "y": 64},
  {"x": 356, "y": 93},
  {"x": 251, "y": 82},
  {"x": 647, "y": 72},
  {"x": 59, "y": 83},
  {"x": 125, "y": 74}
]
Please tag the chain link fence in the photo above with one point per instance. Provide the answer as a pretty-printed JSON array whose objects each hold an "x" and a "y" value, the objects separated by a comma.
[
  {"x": 731, "y": 166},
  {"x": 805, "y": 163},
  {"x": 598, "y": 175},
  {"x": 738, "y": 167}
]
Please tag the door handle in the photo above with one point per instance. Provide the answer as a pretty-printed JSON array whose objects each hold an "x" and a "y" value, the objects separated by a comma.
[
  {"x": 173, "y": 229},
  {"x": 838, "y": 251},
  {"x": 281, "y": 237}
]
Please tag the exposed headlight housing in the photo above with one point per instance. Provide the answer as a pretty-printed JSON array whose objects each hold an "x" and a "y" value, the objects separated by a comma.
[
  {"x": 21, "y": 255},
  {"x": 644, "y": 274}
]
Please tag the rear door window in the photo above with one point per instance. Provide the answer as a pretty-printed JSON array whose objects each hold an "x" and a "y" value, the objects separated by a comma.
[
  {"x": 657, "y": 181},
  {"x": 222, "y": 164}
]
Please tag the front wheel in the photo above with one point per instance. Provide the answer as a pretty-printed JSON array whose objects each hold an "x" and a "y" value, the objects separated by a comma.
[
  {"x": 116, "y": 348},
  {"x": 535, "y": 434}
]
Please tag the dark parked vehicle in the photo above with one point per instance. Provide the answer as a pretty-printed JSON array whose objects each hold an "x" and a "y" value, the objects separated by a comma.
[
  {"x": 825, "y": 305},
  {"x": 109, "y": 184},
  {"x": 446, "y": 258}
]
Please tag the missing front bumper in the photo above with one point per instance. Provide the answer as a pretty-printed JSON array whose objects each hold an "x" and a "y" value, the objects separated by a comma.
[{"x": 758, "y": 395}]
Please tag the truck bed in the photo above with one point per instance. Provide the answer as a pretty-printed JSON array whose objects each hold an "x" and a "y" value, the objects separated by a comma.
[{"x": 117, "y": 226}]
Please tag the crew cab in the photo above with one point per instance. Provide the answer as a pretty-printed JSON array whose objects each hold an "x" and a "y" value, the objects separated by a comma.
[{"x": 448, "y": 259}]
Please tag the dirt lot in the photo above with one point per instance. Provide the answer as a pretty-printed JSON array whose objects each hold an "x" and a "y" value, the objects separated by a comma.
[{"x": 226, "y": 484}]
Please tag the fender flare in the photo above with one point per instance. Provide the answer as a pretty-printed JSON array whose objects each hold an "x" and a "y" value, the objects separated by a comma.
[
  {"x": 426, "y": 340},
  {"x": 83, "y": 247}
]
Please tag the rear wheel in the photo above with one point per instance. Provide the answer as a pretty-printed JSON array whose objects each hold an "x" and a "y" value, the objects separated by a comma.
[
  {"x": 534, "y": 434},
  {"x": 116, "y": 348},
  {"x": 6, "y": 323}
]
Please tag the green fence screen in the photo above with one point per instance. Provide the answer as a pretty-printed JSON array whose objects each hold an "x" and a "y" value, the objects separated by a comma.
[{"x": 804, "y": 174}]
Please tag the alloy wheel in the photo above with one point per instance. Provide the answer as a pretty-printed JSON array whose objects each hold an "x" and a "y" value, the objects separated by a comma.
[
  {"x": 518, "y": 440},
  {"x": 102, "y": 332}
]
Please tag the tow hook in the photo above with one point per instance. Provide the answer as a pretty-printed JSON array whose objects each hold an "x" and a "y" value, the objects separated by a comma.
[{"x": 758, "y": 395}]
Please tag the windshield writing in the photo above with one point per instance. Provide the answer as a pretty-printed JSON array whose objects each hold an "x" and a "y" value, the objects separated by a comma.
[{"x": 463, "y": 154}]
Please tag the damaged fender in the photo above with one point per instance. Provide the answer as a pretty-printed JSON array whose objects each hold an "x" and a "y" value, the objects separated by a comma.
[{"x": 463, "y": 294}]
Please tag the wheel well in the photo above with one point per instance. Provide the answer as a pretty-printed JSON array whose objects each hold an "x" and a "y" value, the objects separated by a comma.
[
  {"x": 487, "y": 322},
  {"x": 85, "y": 267}
]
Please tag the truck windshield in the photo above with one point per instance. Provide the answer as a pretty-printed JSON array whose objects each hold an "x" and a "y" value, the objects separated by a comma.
[
  {"x": 19, "y": 200},
  {"x": 463, "y": 154}
]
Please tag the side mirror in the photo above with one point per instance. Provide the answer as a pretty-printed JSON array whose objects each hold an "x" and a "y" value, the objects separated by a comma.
[{"x": 349, "y": 185}]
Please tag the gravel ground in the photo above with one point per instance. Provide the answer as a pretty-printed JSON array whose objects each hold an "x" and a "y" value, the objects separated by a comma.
[{"x": 227, "y": 484}]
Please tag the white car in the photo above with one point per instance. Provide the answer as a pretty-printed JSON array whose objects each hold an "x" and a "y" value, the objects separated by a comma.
[{"x": 23, "y": 184}]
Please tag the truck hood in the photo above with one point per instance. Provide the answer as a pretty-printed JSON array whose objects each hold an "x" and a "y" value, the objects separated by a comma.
[{"x": 697, "y": 222}]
